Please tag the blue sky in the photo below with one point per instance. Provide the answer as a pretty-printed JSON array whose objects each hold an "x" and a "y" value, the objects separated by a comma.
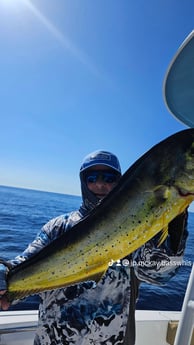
[{"x": 81, "y": 75}]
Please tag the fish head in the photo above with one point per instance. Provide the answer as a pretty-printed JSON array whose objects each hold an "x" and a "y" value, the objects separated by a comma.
[{"x": 184, "y": 182}]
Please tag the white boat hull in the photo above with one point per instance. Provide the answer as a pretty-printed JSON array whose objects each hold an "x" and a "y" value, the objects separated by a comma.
[{"x": 18, "y": 327}]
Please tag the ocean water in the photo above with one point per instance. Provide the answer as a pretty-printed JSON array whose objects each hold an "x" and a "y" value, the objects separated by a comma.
[{"x": 23, "y": 212}]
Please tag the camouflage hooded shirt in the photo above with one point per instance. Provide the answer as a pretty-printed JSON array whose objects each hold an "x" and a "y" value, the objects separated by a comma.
[{"x": 97, "y": 313}]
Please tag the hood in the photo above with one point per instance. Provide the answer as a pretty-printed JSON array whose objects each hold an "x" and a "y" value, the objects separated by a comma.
[{"x": 100, "y": 157}]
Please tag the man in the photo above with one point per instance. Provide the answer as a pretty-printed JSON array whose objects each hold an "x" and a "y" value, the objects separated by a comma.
[{"x": 102, "y": 313}]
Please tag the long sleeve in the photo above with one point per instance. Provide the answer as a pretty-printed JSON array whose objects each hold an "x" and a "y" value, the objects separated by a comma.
[
  {"x": 157, "y": 264},
  {"x": 51, "y": 230}
]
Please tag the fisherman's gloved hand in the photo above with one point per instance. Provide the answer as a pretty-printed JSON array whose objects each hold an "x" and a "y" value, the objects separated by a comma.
[
  {"x": 4, "y": 304},
  {"x": 177, "y": 231}
]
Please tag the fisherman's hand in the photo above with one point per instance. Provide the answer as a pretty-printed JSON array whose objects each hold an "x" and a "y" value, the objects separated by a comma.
[{"x": 4, "y": 303}]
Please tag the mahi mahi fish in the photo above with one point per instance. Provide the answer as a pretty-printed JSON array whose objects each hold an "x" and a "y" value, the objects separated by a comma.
[{"x": 158, "y": 187}]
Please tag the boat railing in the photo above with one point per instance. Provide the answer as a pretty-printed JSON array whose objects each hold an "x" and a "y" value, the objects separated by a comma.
[{"x": 19, "y": 329}]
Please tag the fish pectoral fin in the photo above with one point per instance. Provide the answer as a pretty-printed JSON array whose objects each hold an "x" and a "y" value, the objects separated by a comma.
[
  {"x": 164, "y": 234},
  {"x": 162, "y": 192}
]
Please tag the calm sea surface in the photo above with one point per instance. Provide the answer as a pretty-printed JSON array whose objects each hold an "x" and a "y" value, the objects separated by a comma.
[{"x": 23, "y": 212}]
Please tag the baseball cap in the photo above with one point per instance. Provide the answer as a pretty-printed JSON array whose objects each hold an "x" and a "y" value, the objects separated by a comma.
[{"x": 101, "y": 158}]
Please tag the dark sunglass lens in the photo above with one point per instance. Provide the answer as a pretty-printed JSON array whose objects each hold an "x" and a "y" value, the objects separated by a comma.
[
  {"x": 91, "y": 178},
  {"x": 109, "y": 177}
]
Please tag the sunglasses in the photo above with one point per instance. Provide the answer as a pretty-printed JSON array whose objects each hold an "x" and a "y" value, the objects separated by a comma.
[{"x": 103, "y": 175}]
